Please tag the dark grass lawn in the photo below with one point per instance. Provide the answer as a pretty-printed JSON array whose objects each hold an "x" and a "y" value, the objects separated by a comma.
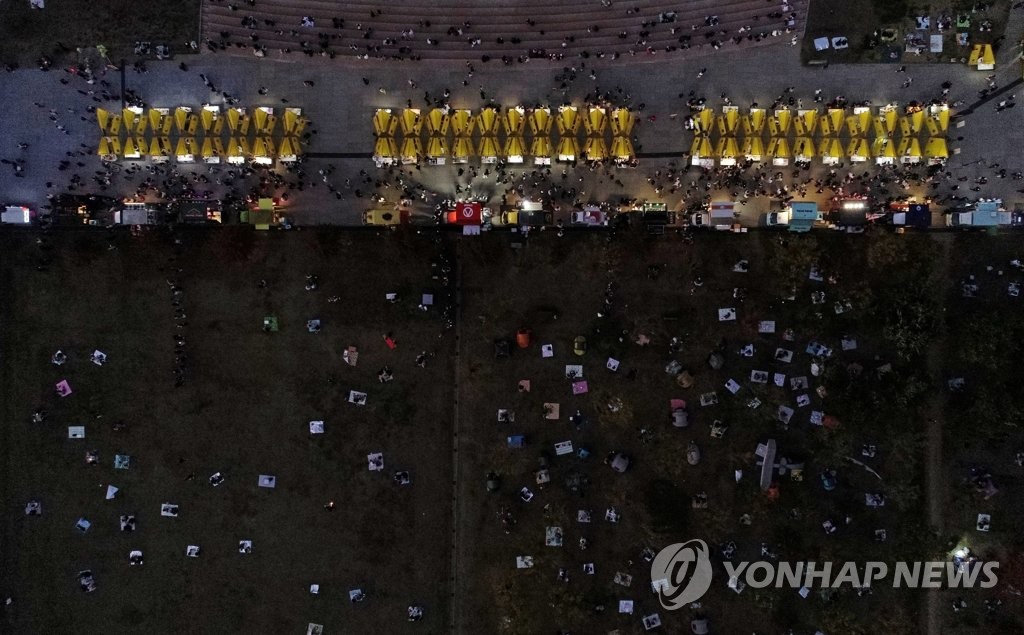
[
  {"x": 244, "y": 411},
  {"x": 65, "y": 25}
]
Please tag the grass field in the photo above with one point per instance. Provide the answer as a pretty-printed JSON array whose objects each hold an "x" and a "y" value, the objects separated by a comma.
[
  {"x": 249, "y": 395},
  {"x": 63, "y": 26},
  {"x": 243, "y": 410}
]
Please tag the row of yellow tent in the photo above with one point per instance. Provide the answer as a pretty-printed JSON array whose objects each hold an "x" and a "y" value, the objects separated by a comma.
[
  {"x": 808, "y": 122},
  {"x": 238, "y": 150},
  {"x": 490, "y": 150},
  {"x": 568, "y": 120},
  {"x": 780, "y": 151},
  {"x": 135, "y": 121}
]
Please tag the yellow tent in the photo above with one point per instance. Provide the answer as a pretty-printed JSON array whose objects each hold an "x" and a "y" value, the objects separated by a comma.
[
  {"x": 181, "y": 117},
  {"x": 728, "y": 120},
  {"x": 385, "y": 150},
  {"x": 703, "y": 121},
  {"x": 700, "y": 150},
  {"x": 208, "y": 116},
  {"x": 218, "y": 148},
  {"x": 858, "y": 150},
  {"x": 514, "y": 148},
  {"x": 159, "y": 149},
  {"x": 110, "y": 148},
  {"x": 540, "y": 121},
  {"x": 185, "y": 151},
  {"x": 932, "y": 125},
  {"x": 488, "y": 150},
  {"x": 462, "y": 122},
  {"x": 778, "y": 150},
  {"x": 384, "y": 123},
  {"x": 622, "y": 149},
  {"x": 831, "y": 151},
  {"x": 806, "y": 122},
  {"x": 540, "y": 151},
  {"x": 238, "y": 150},
  {"x": 780, "y": 122},
  {"x": 596, "y": 121},
  {"x": 940, "y": 114},
  {"x": 133, "y": 148},
  {"x": 263, "y": 151},
  {"x": 288, "y": 150},
  {"x": 622, "y": 122},
  {"x": 568, "y": 120},
  {"x": 753, "y": 123},
  {"x": 487, "y": 121},
  {"x": 437, "y": 122},
  {"x": 567, "y": 149},
  {"x": 103, "y": 118},
  {"x": 904, "y": 126},
  {"x": 437, "y": 148},
  {"x": 753, "y": 148},
  {"x": 114, "y": 125},
  {"x": 909, "y": 150},
  {"x": 514, "y": 121},
  {"x": 130, "y": 119},
  {"x": 727, "y": 151},
  {"x": 265, "y": 120},
  {"x": 885, "y": 122},
  {"x": 411, "y": 150},
  {"x": 883, "y": 150},
  {"x": 917, "y": 121},
  {"x": 411, "y": 122},
  {"x": 461, "y": 150},
  {"x": 207, "y": 151},
  {"x": 238, "y": 121},
  {"x": 835, "y": 120},
  {"x": 936, "y": 151},
  {"x": 803, "y": 149},
  {"x": 982, "y": 57},
  {"x": 595, "y": 149}
]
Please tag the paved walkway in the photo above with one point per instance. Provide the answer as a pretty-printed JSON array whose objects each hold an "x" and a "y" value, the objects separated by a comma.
[{"x": 341, "y": 105}]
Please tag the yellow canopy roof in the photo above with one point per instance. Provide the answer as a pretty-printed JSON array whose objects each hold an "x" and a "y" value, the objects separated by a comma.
[
  {"x": 567, "y": 149},
  {"x": 568, "y": 120},
  {"x": 700, "y": 148},
  {"x": 110, "y": 147},
  {"x": 858, "y": 150},
  {"x": 596, "y": 121},
  {"x": 218, "y": 147},
  {"x": 778, "y": 147},
  {"x": 753, "y": 148},
  {"x": 514, "y": 146},
  {"x": 114, "y": 126},
  {"x": 207, "y": 118},
  {"x": 727, "y": 148},
  {"x": 489, "y": 146},
  {"x": 385, "y": 148},
  {"x": 803, "y": 149},
  {"x": 703, "y": 121},
  {"x": 265, "y": 120},
  {"x": 910, "y": 148},
  {"x": 130, "y": 119},
  {"x": 411, "y": 122},
  {"x": 541, "y": 148},
  {"x": 487, "y": 121},
  {"x": 904, "y": 126},
  {"x": 462, "y": 148},
  {"x": 133, "y": 148},
  {"x": 835, "y": 120},
  {"x": 288, "y": 151},
  {"x": 982, "y": 57},
  {"x": 437, "y": 147},
  {"x": 206, "y": 150},
  {"x": 882, "y": 147},
  {"x": 935, "y": 148},
  {"x": 181, "y": 115},
  {"x": 728, "y": 120},
  {"x": 916, "y": 121},
  {"x": 159, "y": 147},
  {"x": 942, "y": 118},
  {"x": 238, "y": 147},
  {"x": 830, "y": 149},
  {"x": 462, "y": 122},
  {"x": 514, "y": 120},
  {"x": 753, "y": 123},
  {"x": 780, "y": 122},
  {"x": 384, "y": 123},
  {"x": 623, "y": 121},
  {"x": 411, "y": 150},
  {"x": 540, "y": 121},
  {"x": 102, "y": 118},
  {"x": 595, "y": 149},
  {"x": 186, "y": 149},
  {"x": 437, "y": 122},
  {"x": 805, "y": 123},
  {"x": 622, "y": 149}
]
